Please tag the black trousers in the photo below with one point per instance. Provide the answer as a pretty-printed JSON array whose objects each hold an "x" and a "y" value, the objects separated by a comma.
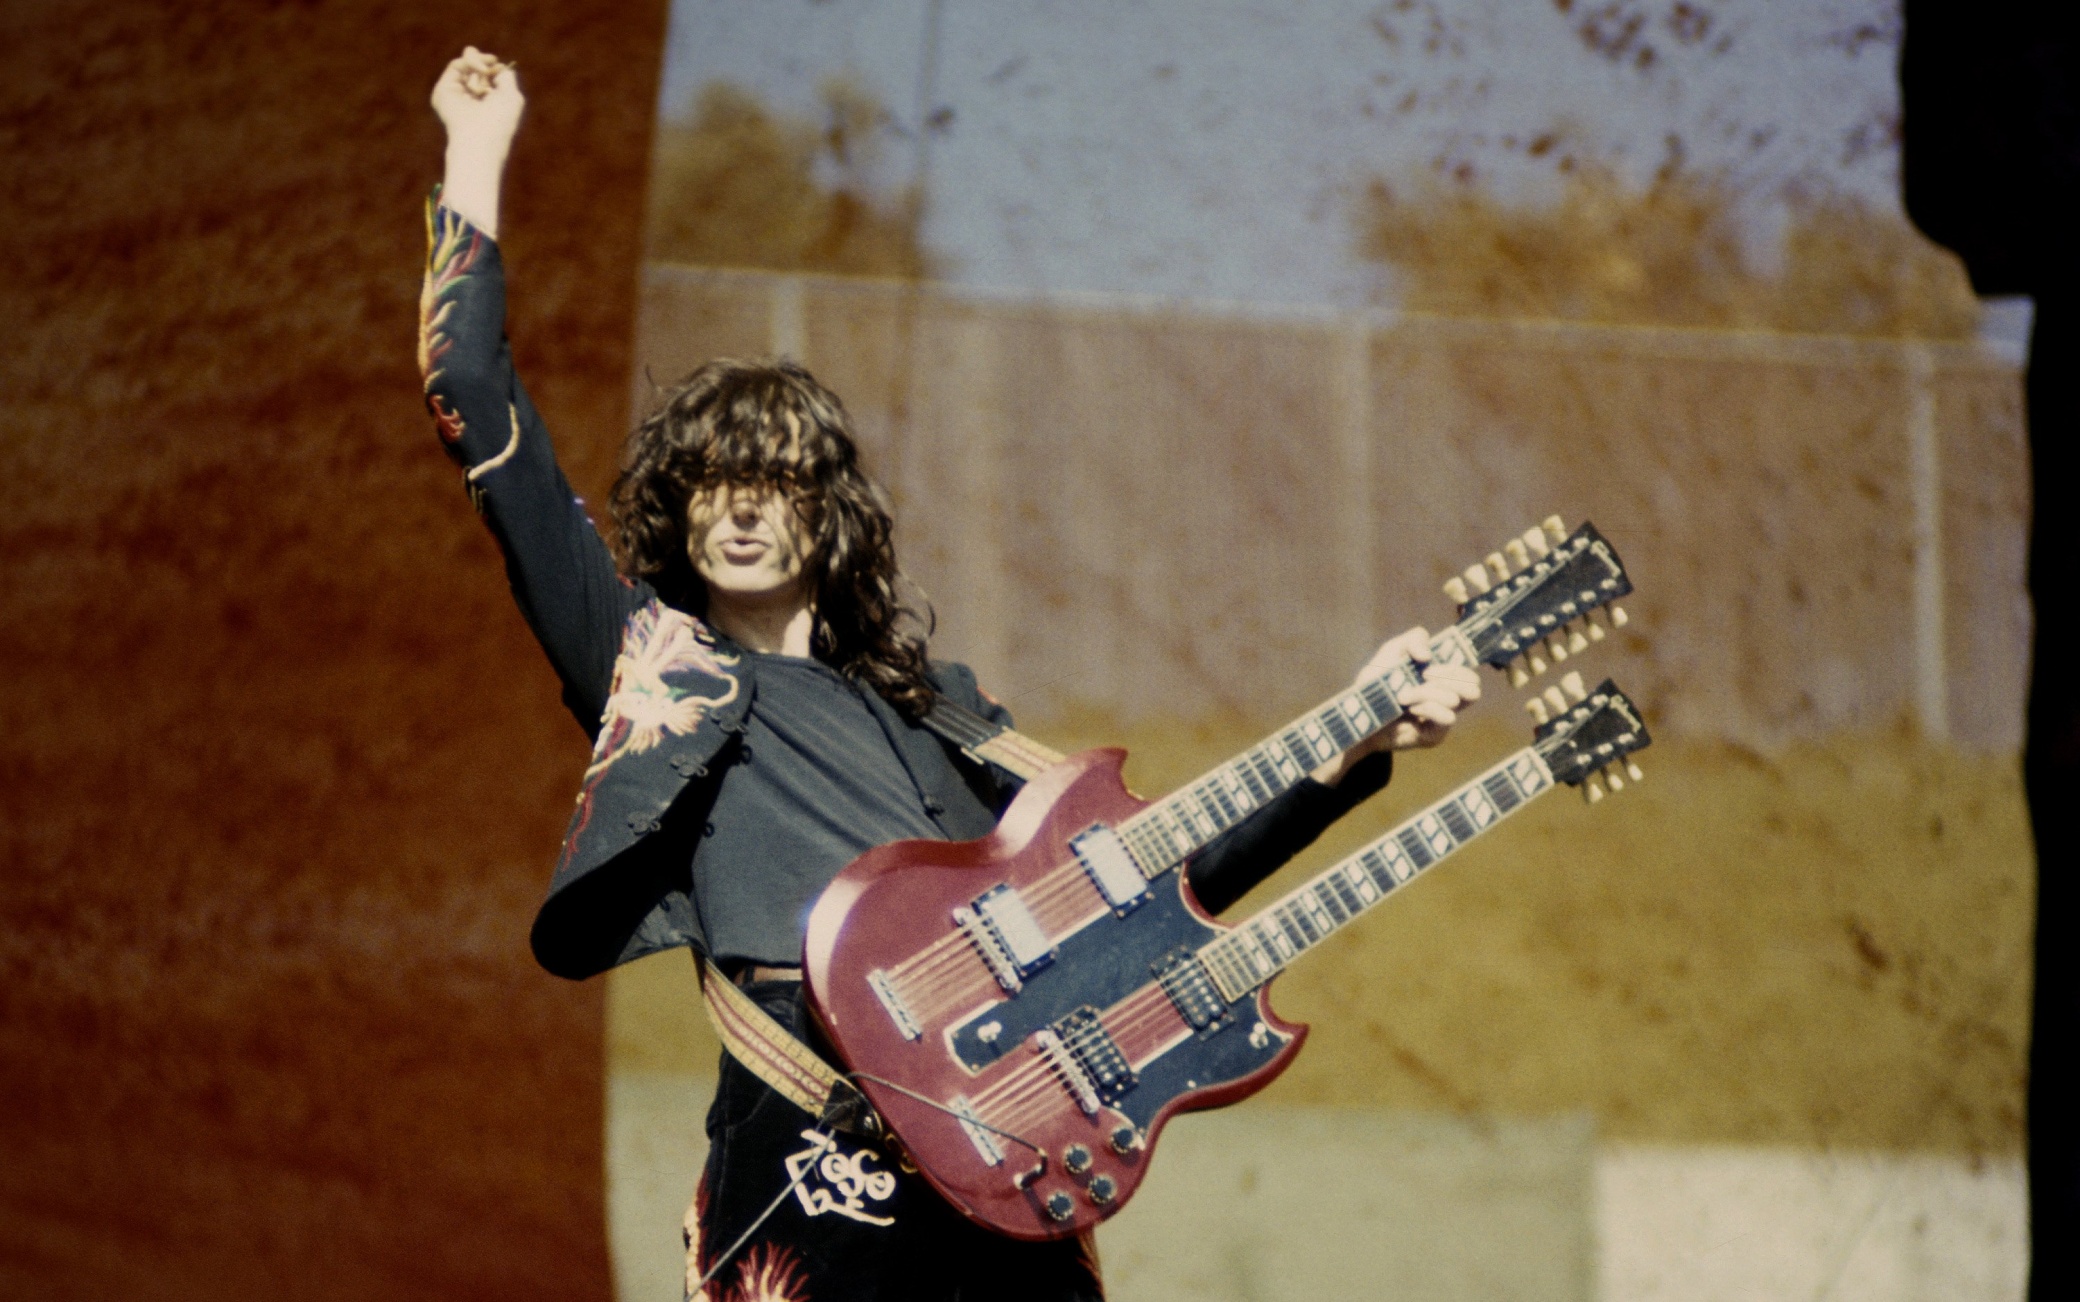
[{"x": 857, "y": 1226}]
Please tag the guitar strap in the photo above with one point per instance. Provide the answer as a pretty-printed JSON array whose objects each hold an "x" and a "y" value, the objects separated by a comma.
[
  {"x": 989, "y": 742},
  {"x": 769, "y": 1050}
]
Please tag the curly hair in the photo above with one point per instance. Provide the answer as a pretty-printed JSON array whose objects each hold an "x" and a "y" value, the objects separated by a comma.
[{"x": 770, "y": 424}]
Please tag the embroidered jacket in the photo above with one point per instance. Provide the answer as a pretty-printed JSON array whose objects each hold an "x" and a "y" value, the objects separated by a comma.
[{"x": 659, "y": 692}]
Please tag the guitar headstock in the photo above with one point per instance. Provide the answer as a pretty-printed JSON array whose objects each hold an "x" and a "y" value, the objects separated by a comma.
[
  {"x": 1544, "y": 597},
  {"x": 1587, "y": 737}
]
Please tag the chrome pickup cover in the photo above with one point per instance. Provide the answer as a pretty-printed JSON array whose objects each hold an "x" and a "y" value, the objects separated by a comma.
[
  {"x": 1112, "y": 869},
  {"x": 1015, "y": 929}
]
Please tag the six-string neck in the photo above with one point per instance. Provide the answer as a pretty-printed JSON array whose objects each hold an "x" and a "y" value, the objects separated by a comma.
[
  {"x": 1162, "y": 835},
  {"x": 1254, "y": 952}
]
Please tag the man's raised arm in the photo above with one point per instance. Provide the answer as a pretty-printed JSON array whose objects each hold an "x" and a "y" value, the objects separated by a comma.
[{"x": 562, "y": 575}]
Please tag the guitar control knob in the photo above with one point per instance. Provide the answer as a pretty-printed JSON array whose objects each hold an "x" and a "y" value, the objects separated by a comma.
[
  {"x": 1076, "y": 1159},
  {"x": 1103, "y": 1190},
  {"x": 1060, "y": 1206},
  {"x": 1125, "y": 1139}
]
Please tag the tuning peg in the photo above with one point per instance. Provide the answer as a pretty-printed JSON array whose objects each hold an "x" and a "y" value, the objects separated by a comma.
[
  {"x": 1556, "y": 647},
  {"x": 1497, "y": 567},
  {"x": 1632, "y": 771},
  {"x": 1572, "y": 685},
  {"x": 1597, "y": 632},
  {"x": 1455, "y": 589},
  {"x": 1554, "y": 700},
  {"x": 1535, "y": 543},
  {"x": 1537, "y": 661},
  {"x": 1514, "y": 552},
  {"x": 1476, "y": 579},
  {"x": 1613, "y": 779},
  {"x": 1592, "y": 788},
  {"x": 1619, "y": 618},
  {"x": 1556, "y": 531},
  {"x": 1536, "y": 708},
  {"x": 1518, "y": 674},
  {"x": 1575, "y": 641}
]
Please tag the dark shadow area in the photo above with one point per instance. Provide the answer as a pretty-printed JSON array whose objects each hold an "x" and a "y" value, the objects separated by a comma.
[{"x": 1992, "y": 169}]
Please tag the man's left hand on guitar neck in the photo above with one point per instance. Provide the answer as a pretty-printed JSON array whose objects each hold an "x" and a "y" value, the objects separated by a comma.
[{"x": 1428, "y": 709}]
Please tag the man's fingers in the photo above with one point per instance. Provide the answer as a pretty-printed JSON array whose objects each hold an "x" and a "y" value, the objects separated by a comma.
[
  {"x": 1466, "y": 682},
  {"x": 1435, "y": 713},
  {"x": 1413, "y": 645},
  {"x": 1448, "y": 694}
]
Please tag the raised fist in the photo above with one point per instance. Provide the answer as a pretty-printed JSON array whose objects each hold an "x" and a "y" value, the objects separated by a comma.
[{"x": 478, "y": 99}]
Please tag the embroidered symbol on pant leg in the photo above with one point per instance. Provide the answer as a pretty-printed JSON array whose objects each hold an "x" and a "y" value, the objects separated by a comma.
[{"x": 842, "y": 1183}]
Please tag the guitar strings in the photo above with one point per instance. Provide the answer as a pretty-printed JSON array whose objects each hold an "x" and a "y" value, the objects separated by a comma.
[
  {"x": 1129, "y": 1018},
  {"x": 941, "y": 975},
  {"x": 1127, "y": 1023},
  {"x": 920, "y": 977},
  {"x": 1012, "y": 1101},
  {"x": 1203, "y": 789}
]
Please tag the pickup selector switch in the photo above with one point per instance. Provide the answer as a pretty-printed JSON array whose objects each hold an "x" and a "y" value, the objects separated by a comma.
[
  {"x": 1076, "y": 1159},
  {"x": 1103, "y": 1190},
  {"x": 1060, "y": 1206}
]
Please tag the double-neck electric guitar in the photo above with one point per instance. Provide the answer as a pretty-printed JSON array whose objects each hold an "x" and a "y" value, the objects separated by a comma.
[{"x": 1026, "y": 1011}]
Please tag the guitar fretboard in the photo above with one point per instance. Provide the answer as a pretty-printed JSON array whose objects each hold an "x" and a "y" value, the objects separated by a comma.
[
  {"x": 1260, "y": 948},
  {"x": 1162, "y": 835}
]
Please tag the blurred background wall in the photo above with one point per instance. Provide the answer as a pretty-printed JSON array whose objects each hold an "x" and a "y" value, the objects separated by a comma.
[
  {"x": 283, "y": 773},
  {"x": 1199, "y": 345}
]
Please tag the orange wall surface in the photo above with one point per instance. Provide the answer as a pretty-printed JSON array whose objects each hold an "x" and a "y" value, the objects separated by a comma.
[{"x": 283, "y": 772}]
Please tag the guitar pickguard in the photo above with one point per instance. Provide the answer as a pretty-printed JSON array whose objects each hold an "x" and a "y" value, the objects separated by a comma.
[{"x": 1092, "y": 967}]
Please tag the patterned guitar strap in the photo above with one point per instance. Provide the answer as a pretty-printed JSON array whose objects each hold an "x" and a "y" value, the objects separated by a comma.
[{"x": 769, "y": 1050}]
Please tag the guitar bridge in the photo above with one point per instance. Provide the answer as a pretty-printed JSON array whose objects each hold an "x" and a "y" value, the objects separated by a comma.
[
  {"x": 892, "y": 1003},
  {"x": 984, "y": 1140}
]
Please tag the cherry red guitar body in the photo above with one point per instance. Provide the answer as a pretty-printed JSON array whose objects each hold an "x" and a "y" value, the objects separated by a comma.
[{"x": 1026, "y": 1038}]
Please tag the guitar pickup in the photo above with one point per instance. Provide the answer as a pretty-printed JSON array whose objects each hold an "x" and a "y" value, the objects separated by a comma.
[
  {"x": 1068, "y": 1070},
  {"x": 1097, "y": 1055},
  {"x": 1111, "y": 867},
  {"x": 1184, "y": 978},
  {"x": 1009, "y": 937}
]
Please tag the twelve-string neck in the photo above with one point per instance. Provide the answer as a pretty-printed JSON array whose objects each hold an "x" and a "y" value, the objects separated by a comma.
[
  {"x": 1254, "y": 952},
  {"x": 1161, "y": 836}
]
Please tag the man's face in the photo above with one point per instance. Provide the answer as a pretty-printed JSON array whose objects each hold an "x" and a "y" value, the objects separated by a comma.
[{"x": 747, "y": 543}]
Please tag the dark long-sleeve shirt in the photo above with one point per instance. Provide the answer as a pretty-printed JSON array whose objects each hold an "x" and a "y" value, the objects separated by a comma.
[{"x": 751, "y": 782}]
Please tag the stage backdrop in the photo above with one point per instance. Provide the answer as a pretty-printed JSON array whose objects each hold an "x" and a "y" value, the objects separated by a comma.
[
  {"x": 1199, "y": 344},
  {"x": 283, "y": 772}
]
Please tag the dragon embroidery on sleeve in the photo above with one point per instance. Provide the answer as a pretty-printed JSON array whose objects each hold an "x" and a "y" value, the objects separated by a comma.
[
  {"x": 452, "y": 248},
  {"x": 642, "y": 708},
  {"x": 666, "y": 657}
]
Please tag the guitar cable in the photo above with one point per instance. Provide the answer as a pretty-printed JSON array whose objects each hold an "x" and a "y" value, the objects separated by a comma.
[
  {"x": 763, "y": 1216},
  {"x": 824, "y": 1130},
  {"x": 951, "y": 1112}
]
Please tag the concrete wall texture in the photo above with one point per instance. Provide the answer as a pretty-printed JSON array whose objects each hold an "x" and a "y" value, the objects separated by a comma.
[{"x": 1141, "y": 509}]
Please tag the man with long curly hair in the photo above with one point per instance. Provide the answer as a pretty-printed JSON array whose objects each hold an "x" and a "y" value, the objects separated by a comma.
[{"x": 757, "y": 691}]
